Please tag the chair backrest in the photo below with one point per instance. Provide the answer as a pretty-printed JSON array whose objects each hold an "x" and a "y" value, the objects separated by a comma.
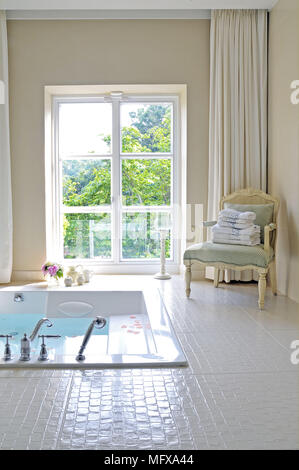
[{"x": 253, "y": 196}]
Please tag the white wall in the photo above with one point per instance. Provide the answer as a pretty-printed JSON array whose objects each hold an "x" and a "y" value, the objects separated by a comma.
[
  {"x": 96, "y": 52},
  {"x": 284, "y": 139}
]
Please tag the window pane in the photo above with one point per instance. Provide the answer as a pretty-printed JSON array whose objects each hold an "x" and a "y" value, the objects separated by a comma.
[
  {"x": 140, "y": 238},
  {"x": 87, "y": 236},
  {"x": 85, "y": 128},
  {"x": 146, "y": 128},
  {"x": 86, "y": 182},
  {"x": 146, "y": 182}
]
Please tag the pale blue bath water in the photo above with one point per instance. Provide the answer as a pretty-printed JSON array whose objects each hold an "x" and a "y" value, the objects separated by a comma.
[{"x": 18, "y": 324}]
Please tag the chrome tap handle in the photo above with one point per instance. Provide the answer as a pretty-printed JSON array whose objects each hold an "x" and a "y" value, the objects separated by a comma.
[
  {"x": 98, "y": 322},
  {"x": 7, "y": 350},
  {"x": 38, "y": 326},
  {"x": 43, "y": 355}
]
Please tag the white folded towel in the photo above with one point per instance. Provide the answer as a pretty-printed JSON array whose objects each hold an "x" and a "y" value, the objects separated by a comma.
[
  {"x": 236, "y": 236},
  {"x": 237, "y": 216},
  {"x": 238, "y": 225},
  {"x": 243, "y": 238},
  {"x": 236, "y": 228},
  {"x": 252, "y": 229},
  {"x": 252, "y": 242}
]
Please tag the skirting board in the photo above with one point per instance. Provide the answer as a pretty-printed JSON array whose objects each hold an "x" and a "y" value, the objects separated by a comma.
[
  {"x": 198, "y": 274},
  {"x": 36, "y": 275}
]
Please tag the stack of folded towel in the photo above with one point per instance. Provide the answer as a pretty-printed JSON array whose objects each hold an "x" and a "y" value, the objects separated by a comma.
[{"x": 236, "y": 228}]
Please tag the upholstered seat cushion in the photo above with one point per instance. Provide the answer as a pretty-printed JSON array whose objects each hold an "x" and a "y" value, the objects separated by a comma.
[{"x": 239, "y": 255}]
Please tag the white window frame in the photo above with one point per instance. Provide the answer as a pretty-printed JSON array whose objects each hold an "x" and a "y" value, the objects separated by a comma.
[{"x": 54, "y": 240}]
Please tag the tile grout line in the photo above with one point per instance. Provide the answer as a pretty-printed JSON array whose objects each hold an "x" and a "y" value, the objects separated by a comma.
[
  {"x": 257, "y": 372},
  {"x": 265, "y": 330},
  {"x": 62, "y": 419},
  {"x": 266, "y": 371}
]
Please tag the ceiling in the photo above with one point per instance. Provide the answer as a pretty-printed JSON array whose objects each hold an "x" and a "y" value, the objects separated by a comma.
[{"x": 133, "y": 4}]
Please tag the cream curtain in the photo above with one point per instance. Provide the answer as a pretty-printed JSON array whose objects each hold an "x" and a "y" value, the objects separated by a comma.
[
  {"x": 238, "y": 107},
  {"x": 5, "y": 179}
]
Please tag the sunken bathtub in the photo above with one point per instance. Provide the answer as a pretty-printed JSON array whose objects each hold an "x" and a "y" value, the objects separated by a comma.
[{"x": 133, "y": 329}]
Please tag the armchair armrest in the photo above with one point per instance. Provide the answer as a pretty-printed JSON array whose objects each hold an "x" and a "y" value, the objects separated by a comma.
[
  {"x": 198, "y": 229},
  {"x": 209, "y": 223},
  {"x": 267, "y": 229}
]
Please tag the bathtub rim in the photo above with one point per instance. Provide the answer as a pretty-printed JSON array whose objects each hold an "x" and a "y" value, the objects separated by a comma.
[{"x": 154, "y": 303}]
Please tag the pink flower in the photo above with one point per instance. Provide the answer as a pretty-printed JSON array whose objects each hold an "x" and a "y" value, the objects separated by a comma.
[
  {"x": 44, "y": 269},
  {"x": 53, "y": 269}
]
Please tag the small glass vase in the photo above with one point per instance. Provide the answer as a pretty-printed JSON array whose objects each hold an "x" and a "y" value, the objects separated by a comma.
[{"x": 52, "y": 281}]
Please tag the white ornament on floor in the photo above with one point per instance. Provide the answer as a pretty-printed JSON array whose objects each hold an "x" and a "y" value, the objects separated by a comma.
[{"x": 162, "y": 274}]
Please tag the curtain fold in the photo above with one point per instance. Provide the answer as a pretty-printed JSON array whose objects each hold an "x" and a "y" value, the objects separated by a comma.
[
  {"x": 238, "y": 108},
  {"x": 5, "y": 177}
]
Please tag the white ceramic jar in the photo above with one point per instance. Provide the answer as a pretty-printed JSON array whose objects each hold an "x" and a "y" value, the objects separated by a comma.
[
  {"x": 80, "y": 279},
  {"x": 87, "y": 275},
  {"x": 68, "y": 281}
]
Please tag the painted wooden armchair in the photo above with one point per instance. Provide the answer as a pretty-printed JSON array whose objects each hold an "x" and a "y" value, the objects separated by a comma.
[{"x": 260, "y": 258}]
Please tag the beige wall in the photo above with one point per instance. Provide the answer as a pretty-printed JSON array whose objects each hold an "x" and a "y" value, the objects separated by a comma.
[
  {"x": 96, "y": 52},
  {"x": 284, "y": 139}
]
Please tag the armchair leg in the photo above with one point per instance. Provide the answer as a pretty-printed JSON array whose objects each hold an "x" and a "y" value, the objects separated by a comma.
[
  {"x": 216, "y": 277},
  {"x": 273, "y": 278},
  {"x": 262, "y": 290},
  {"x": 188, "y": 280}
]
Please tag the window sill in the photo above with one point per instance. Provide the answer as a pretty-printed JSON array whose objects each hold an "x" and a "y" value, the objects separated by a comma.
[{"x": 140, "y": 269}]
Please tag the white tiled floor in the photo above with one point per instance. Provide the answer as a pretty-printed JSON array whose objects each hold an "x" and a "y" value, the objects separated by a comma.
[{"x": 240, "y": 390}]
